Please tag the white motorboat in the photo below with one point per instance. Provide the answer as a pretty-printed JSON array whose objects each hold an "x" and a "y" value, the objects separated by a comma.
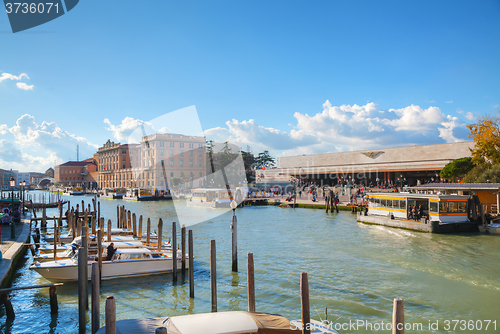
[
  {"x": 492, "y": 228},
  {"x": 233, "y": 322},
  {"x": 44, "y": 257},
  {"x": 125, "y": 263}
]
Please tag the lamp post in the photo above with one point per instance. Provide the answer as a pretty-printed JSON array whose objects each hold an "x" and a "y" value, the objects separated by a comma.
[
  {"x": 234, "y": 232},
  {"x": 12, "y": 223}
]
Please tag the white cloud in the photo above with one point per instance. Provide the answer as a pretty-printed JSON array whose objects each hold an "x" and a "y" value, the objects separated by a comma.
[
  {"x": 3, "y": 129},
  {"x": 35, "y": 146},
  {"x": 344, "y": 128},
  {"x": 469, "y": 116},
  {"x": 448, "y": 101},
  {"x": 6, "y": 76},
  {"x": 23, "y": 86},
  {"x": 446, "y": 132},
  {"x": 128, "y": 125}
]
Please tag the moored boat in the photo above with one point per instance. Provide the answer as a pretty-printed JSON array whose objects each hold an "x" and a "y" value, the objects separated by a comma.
[
  {"x": 125, "y": 263},
  {"x": 232, "y": 322},
  {"x": 139, "y": 194}
]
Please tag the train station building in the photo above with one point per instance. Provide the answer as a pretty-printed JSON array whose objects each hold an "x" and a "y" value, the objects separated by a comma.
[{"x": 409, "y": 165}]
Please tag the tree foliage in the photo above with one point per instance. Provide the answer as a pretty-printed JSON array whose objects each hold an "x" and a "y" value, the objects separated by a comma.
[
  {"x": 486, "y": 136},
  {"x": 484, "y": 173},
  {"x": 458, "y": 168},
  {"x": 264, "y": 159}
]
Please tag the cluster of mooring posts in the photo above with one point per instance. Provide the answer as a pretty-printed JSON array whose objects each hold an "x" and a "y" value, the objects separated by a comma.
[{"x": 398, "y": 325}]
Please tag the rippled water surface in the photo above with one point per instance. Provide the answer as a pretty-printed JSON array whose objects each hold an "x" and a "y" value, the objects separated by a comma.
[{"x": 355, "y": 270}]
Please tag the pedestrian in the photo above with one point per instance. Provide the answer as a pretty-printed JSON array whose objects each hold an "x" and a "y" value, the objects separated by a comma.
[{"x": 111, "y": 251}]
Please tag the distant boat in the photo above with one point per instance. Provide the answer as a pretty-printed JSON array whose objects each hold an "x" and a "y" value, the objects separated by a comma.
[
  {"x": 73, "y": 191},
  {"x": 139, "y": 194}
]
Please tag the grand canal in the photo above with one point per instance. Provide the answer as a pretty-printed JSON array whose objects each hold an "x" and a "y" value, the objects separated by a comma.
[{"x": 355, "y": 271}]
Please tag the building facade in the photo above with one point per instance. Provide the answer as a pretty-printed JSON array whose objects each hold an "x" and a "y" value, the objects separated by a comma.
[
  {"x": 77, "y": 174},
  {"x": 158, "y": 161},
  {"x": 6, "y": 176}
]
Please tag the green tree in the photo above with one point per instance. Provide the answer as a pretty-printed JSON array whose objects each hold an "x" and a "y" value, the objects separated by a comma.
[
  {"x": 458, "y": 168},
  {"x": 249, "y": 162},
  {"x": 265, "y": 159}
]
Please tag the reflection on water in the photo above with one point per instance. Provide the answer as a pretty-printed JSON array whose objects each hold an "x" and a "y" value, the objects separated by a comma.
[{"x": 354, "y": 269}]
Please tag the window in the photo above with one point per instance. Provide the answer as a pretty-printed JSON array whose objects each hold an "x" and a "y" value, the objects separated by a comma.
[
  {"x": 199, "y": 154},
  {"x": 190, "y": 162},
  {"x": 181, "y": 153},
  {"x": 200, "y": 145},
  {"x": 123, "y": 166},
  {"x": 462, "y": 207},
  {"x": 190, "y": 153},
  {"x": 172, "y": 144},
  {"x": 453, "y": 207},
  {"x": 171, "y": 152},
  {"x": 443, "y": 206},
  {"x": 199, "y": 163},
  {"x": 162, "y": 144},
  {"x": 162, "y": 163},
  {"x": 181, "y": 162},
  {"x": 161, "y": 152},
  {"x": 191, "y": 145},
  {"x": 171, "y": 174},
  {"x": 171, "y": 162},
  {"x": 181, "y": 145}
]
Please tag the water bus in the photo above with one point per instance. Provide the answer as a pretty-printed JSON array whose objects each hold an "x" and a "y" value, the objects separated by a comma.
[
  {"x": 72, "y": 191},
  {"x": 210, "y": 198},
  {"x": 139, "y": 194},
  {"x": 114, "y": 193},
  {"x": 438, "y": 213}
]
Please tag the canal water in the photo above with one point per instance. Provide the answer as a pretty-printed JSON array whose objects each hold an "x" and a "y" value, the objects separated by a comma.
[{"x": 355, "y": 271}]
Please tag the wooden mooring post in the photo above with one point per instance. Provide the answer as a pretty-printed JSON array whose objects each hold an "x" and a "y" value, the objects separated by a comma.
[
  {"x": 304, "y": 303},
  {"x": 183, "y": 249},
  {"x": 82, "y": 292},
  {"x": 95, "y": 297},
  {"x": 9, "y": 310},
  {"x": 148, "y": 231},
  {"x": 109, "y": 230},
  {"x": 191, "y": 268},
  {"x": 99, "y": 251},
  {"x": 213, "y": 275},
  {"x": 117, "y": 216},
  {"x": 398, "y": 317},
  {"x": 134, "y": 225},
  {"x": 110, "y": 313},
  {"x": 139, "y": 236},
  {"x": 160, "y": 233},
  {"x": 250, "y": 283},
  {"x": 174, "y": 252}
]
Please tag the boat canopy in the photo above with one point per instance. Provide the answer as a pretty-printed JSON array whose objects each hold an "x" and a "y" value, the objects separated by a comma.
[
  {"x": 132, "y": 250},
  {"x": 234, "y": 322}
]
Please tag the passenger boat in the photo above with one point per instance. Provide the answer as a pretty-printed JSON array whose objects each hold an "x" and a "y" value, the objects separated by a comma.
[
  {"x": 125, "y": 263},
  {"x": 139, "y": 194},
  {"x": 73, "y": 191},
  {"x": 210, "y": 197},
  {"x": 441, "y": 213},
  {"x": 114, "y": 193},
  {"x": 232, "y": 322}
]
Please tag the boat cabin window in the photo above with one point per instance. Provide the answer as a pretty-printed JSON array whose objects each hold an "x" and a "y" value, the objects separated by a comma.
[
  {"x": 130, "y": 256},
  {"x": 452, "y": 207},
  {"x": 434, "y": 207}
]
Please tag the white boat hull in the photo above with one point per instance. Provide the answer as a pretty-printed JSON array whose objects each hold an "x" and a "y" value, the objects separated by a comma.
[
  {"x": 490, "y": 229},
  {"x": 67, "y": 270}
]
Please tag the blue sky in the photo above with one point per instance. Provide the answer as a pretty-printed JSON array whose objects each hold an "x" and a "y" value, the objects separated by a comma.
[{"x": 293, "y": 77}]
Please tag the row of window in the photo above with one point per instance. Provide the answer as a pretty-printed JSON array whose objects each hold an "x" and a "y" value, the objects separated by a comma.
[
  {"x": 443, "y": 207},
  {"x": 181, "y": 145},
  {"x": 181, "y": 153},
  {"x": 70, "y": 171}
]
